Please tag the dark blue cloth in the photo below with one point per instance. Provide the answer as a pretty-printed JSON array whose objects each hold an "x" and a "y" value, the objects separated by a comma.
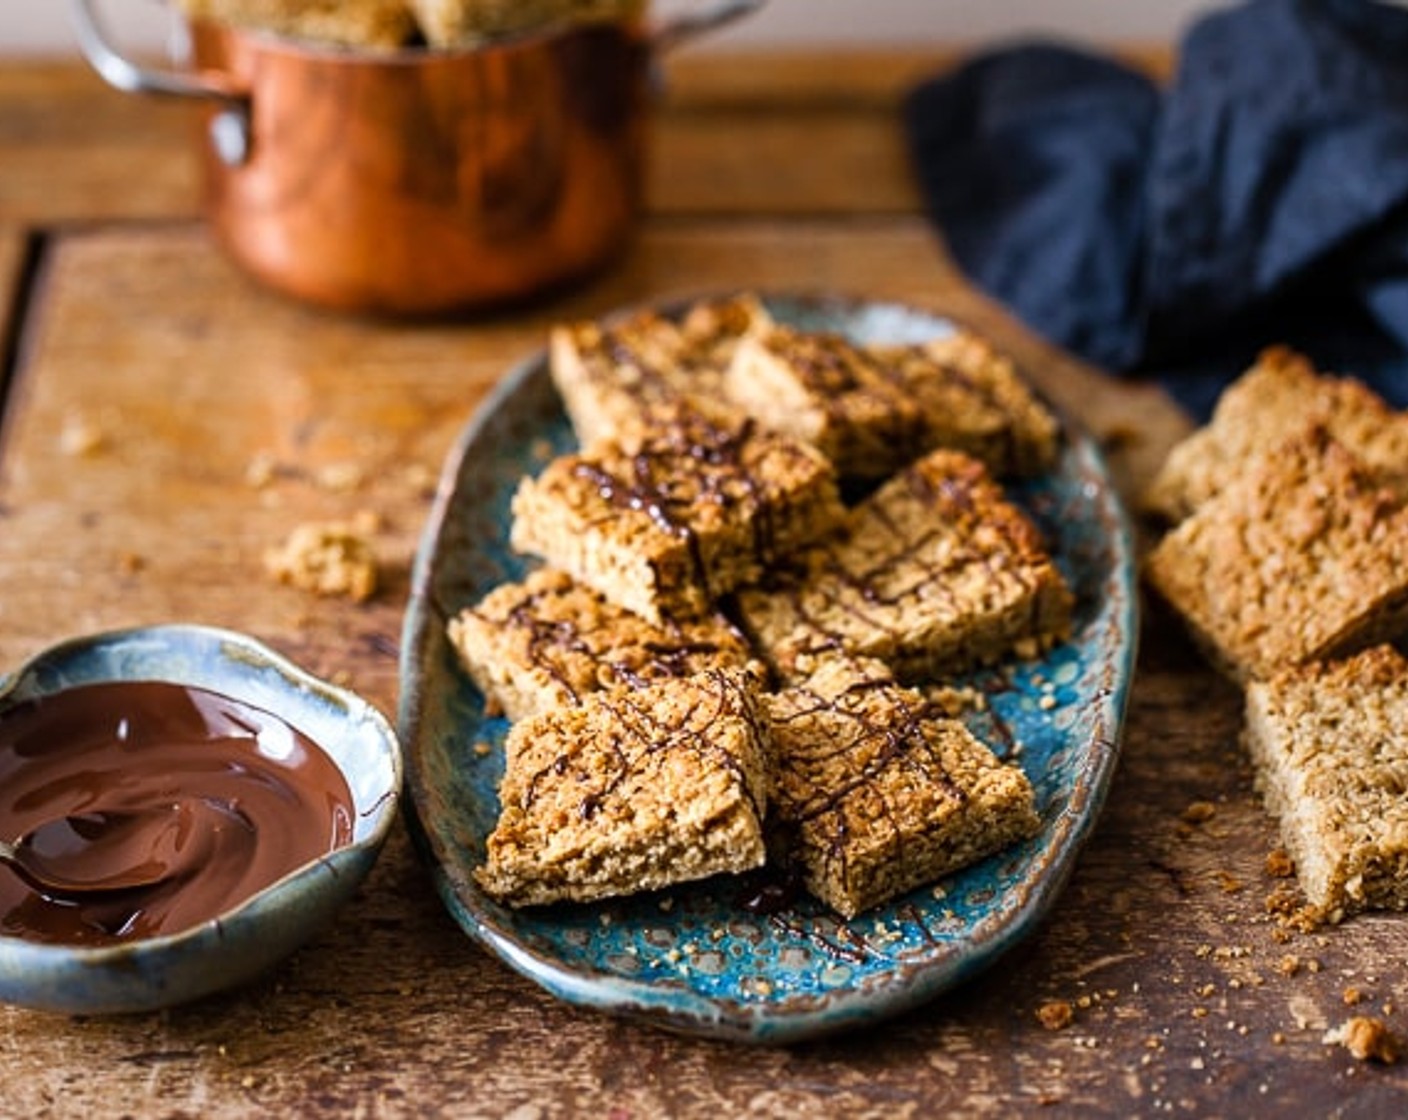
[{"x": 1263, "y": 197}]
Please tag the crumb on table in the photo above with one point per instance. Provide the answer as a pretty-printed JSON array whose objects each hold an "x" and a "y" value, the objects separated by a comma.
[
  {"x": 1056, "y": 1015},
  {"x": 80, "y": 437},
  {"x": 327, "y": 558},
  {"x": 1199, "y": 812},
  {"x": 1367, "y": 1039}
]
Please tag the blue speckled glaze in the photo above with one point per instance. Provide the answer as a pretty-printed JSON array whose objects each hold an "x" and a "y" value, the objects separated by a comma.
[
  {"x": 231, "y": 949},
  {"x": 693, "y": 959}
]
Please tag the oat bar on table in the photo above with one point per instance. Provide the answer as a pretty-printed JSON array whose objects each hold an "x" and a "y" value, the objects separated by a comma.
[
  {"x": 664, "y": 524},
  {"x": 1282, "y": 393},
  {"x": 935, "y": 572},
  {"x": 971, "y": 398},
  {"x": 550, "y": 641},
  {"x": 615, "y": 380},
  {"x": 1303, "y": 557},
  {"x": 877, "y": 793},
  {"x": 631, "y": 790},
  {"x": 823, "y": 389},
  {"x": 1330, "y": 745}
]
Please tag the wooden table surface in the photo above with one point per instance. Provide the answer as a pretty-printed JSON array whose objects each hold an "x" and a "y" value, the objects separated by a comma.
[{"x": 142, "y": 376}]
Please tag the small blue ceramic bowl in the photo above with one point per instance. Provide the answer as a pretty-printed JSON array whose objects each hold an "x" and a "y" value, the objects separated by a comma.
[{"x": 240, "y": 943}]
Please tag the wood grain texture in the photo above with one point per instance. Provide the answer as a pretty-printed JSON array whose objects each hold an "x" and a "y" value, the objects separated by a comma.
[
  {"x": 73, "y": 150},
  {"x": 836, "y": 78},
  {"x": 154, "y": 376}
]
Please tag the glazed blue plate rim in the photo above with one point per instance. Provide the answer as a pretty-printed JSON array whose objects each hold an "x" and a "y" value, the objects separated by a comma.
[
  {"x": 663, "y": 1001},
  {"x": 231, "y": 948}
]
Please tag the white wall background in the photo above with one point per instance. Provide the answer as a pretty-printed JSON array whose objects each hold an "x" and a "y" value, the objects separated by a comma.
[{"x": 40, "y": 26}]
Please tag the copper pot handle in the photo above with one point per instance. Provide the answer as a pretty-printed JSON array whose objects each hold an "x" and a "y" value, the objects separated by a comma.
[
  {"x": 689, "y": 25},
  {"x": 229, "y": 128},
  {"x": 122, "y": 73}
]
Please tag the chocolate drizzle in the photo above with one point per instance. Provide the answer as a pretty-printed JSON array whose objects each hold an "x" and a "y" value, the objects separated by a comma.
[
  {"x": 870, "y": 416},
  {"x": 896, "y": 737},
  {"x": 917, "y": 364},
  {"x": 684, "y": 468},
  {"x": 912, "y": 544},
  {"x": 547, "y": 637},
  {"x": 849, "y": 755},
  {"x": 574, "y": 637},
  {"x": 825, "y": 363},
  {"x": 624, "y": 353},
  {"x": 641, "y": 735}
]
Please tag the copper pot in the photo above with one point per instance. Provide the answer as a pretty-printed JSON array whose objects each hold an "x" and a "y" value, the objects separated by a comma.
[{"x": 418, "y": 181}]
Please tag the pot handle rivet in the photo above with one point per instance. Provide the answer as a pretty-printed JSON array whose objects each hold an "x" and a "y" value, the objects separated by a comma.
[{"x": 229, "y": 135}]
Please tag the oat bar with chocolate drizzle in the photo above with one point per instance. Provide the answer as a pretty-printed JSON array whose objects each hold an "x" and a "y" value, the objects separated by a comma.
[
  {"x": 631, "y": 790},
  {"x": 665, "y": 522},
  {"x": 614, "y": 380},
  {"x": 549, "y": 642},
  {"x": 877, "y": 793},
  {"x": 935, "y": 572},
  {"x": 821, "y": 388},
  {"x": 972, "y": 399}
]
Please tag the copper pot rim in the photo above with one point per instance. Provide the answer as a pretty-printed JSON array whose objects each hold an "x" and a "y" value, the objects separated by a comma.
[
  {"x": 121, "y": 72},
  {"x": 335, "y": 54}
]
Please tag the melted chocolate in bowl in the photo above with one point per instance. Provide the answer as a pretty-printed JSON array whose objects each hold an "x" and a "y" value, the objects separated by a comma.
[{"x": 213, "y": 798}]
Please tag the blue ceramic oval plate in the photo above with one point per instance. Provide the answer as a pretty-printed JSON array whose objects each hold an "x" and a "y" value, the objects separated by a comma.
[{"x": 695, "y": 959}]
